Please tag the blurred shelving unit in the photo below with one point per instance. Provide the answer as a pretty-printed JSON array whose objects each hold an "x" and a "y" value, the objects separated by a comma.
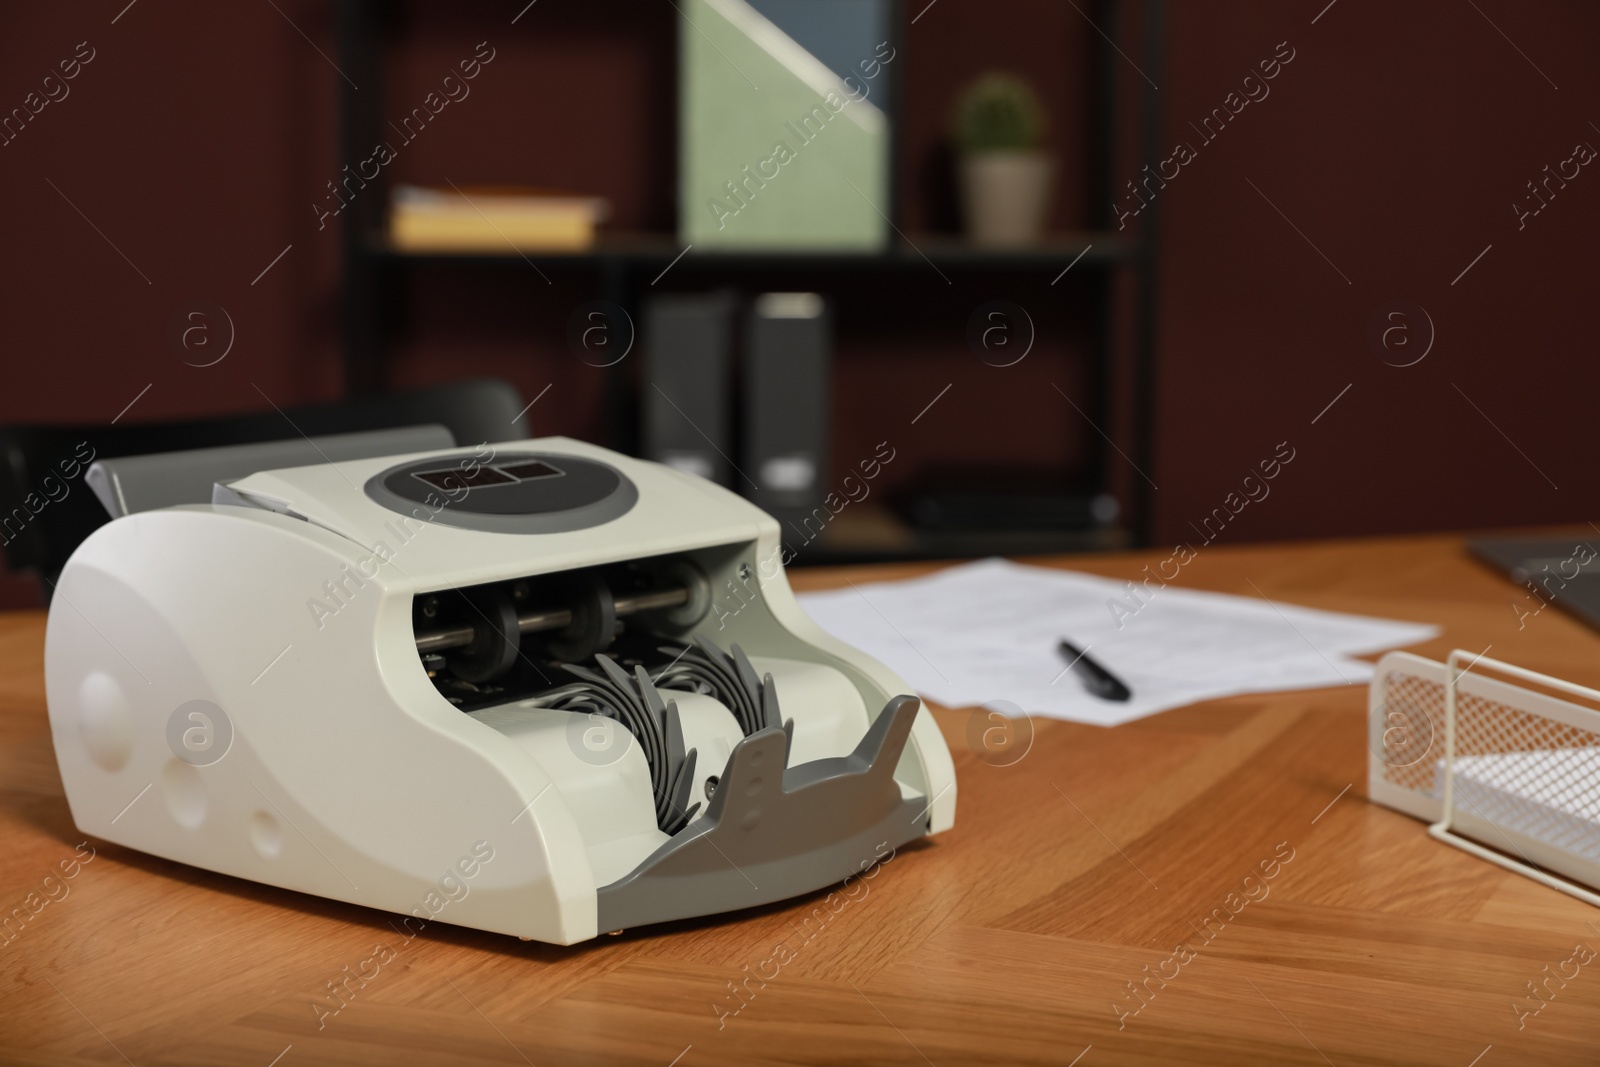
[{"x": 1124, "y": 127}]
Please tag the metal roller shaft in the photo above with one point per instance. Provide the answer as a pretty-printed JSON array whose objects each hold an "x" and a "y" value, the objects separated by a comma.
[{"x": 554, "y": 618}]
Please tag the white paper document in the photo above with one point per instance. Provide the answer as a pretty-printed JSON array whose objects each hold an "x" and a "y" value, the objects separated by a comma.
[{"x": 987, "y": 632}]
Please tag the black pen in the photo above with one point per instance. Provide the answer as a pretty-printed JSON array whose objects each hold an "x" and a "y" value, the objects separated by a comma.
[{"x": 1095, "y": 678}]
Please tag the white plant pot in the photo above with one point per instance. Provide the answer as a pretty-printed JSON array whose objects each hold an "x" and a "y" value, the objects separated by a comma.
[{"x": 1005, "y": 195}]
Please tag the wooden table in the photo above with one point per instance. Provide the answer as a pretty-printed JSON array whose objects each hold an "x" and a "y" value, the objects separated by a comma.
[{"x": 1008, "y": 940}]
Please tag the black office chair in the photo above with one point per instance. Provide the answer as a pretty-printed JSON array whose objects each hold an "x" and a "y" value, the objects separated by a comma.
[{"x": 46, "y": 510}]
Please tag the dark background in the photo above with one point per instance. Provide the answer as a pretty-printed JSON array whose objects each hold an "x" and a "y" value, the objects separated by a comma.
[{"x": 1397, "y": 140}]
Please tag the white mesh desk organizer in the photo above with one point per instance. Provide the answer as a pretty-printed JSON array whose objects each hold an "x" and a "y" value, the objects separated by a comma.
[{"x": 1508, "y": 773}]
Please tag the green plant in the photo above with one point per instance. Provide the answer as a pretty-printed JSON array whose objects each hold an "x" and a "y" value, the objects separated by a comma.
[{"x": 999, "y": 112}]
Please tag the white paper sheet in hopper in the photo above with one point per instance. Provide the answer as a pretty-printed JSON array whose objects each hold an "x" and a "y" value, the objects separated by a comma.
[
  {"x": 1550, "y": 795},
  {"x": 987, "y": 631}
]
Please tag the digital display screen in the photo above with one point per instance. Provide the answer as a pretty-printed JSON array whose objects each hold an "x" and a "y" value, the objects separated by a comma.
[
  {"x": 457, "y": 478},
  {"x": 511, "y": 490},
  {"x": 531, "y": 469}
]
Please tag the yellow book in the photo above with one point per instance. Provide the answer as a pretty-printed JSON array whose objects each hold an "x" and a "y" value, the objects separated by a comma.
[{"x": 492, "y": 219}]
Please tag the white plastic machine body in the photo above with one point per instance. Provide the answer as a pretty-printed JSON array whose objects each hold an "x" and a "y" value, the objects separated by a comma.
[{"x": 238, "y": 685}]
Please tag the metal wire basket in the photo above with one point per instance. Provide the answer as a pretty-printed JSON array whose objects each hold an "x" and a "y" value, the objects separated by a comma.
[{"x": 1507, "y": 773}]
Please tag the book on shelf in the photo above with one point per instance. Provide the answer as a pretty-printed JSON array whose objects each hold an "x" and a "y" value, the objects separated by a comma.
[{"x": 493, "y": 218}]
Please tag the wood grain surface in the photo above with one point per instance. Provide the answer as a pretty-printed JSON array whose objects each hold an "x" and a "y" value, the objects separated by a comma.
[{"x": 1091, "y": 862}]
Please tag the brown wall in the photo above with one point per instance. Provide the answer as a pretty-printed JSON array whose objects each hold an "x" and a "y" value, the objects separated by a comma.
[
  {"x": 1397, "y": 141},
  {"x": 201, "y": 134}
]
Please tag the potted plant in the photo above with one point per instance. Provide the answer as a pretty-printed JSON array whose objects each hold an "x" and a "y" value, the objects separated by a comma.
[{"x": 1005, "y": 177}]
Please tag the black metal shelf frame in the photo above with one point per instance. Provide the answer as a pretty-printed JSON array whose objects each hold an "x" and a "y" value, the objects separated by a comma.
[{"x": 372, "y": 270}]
